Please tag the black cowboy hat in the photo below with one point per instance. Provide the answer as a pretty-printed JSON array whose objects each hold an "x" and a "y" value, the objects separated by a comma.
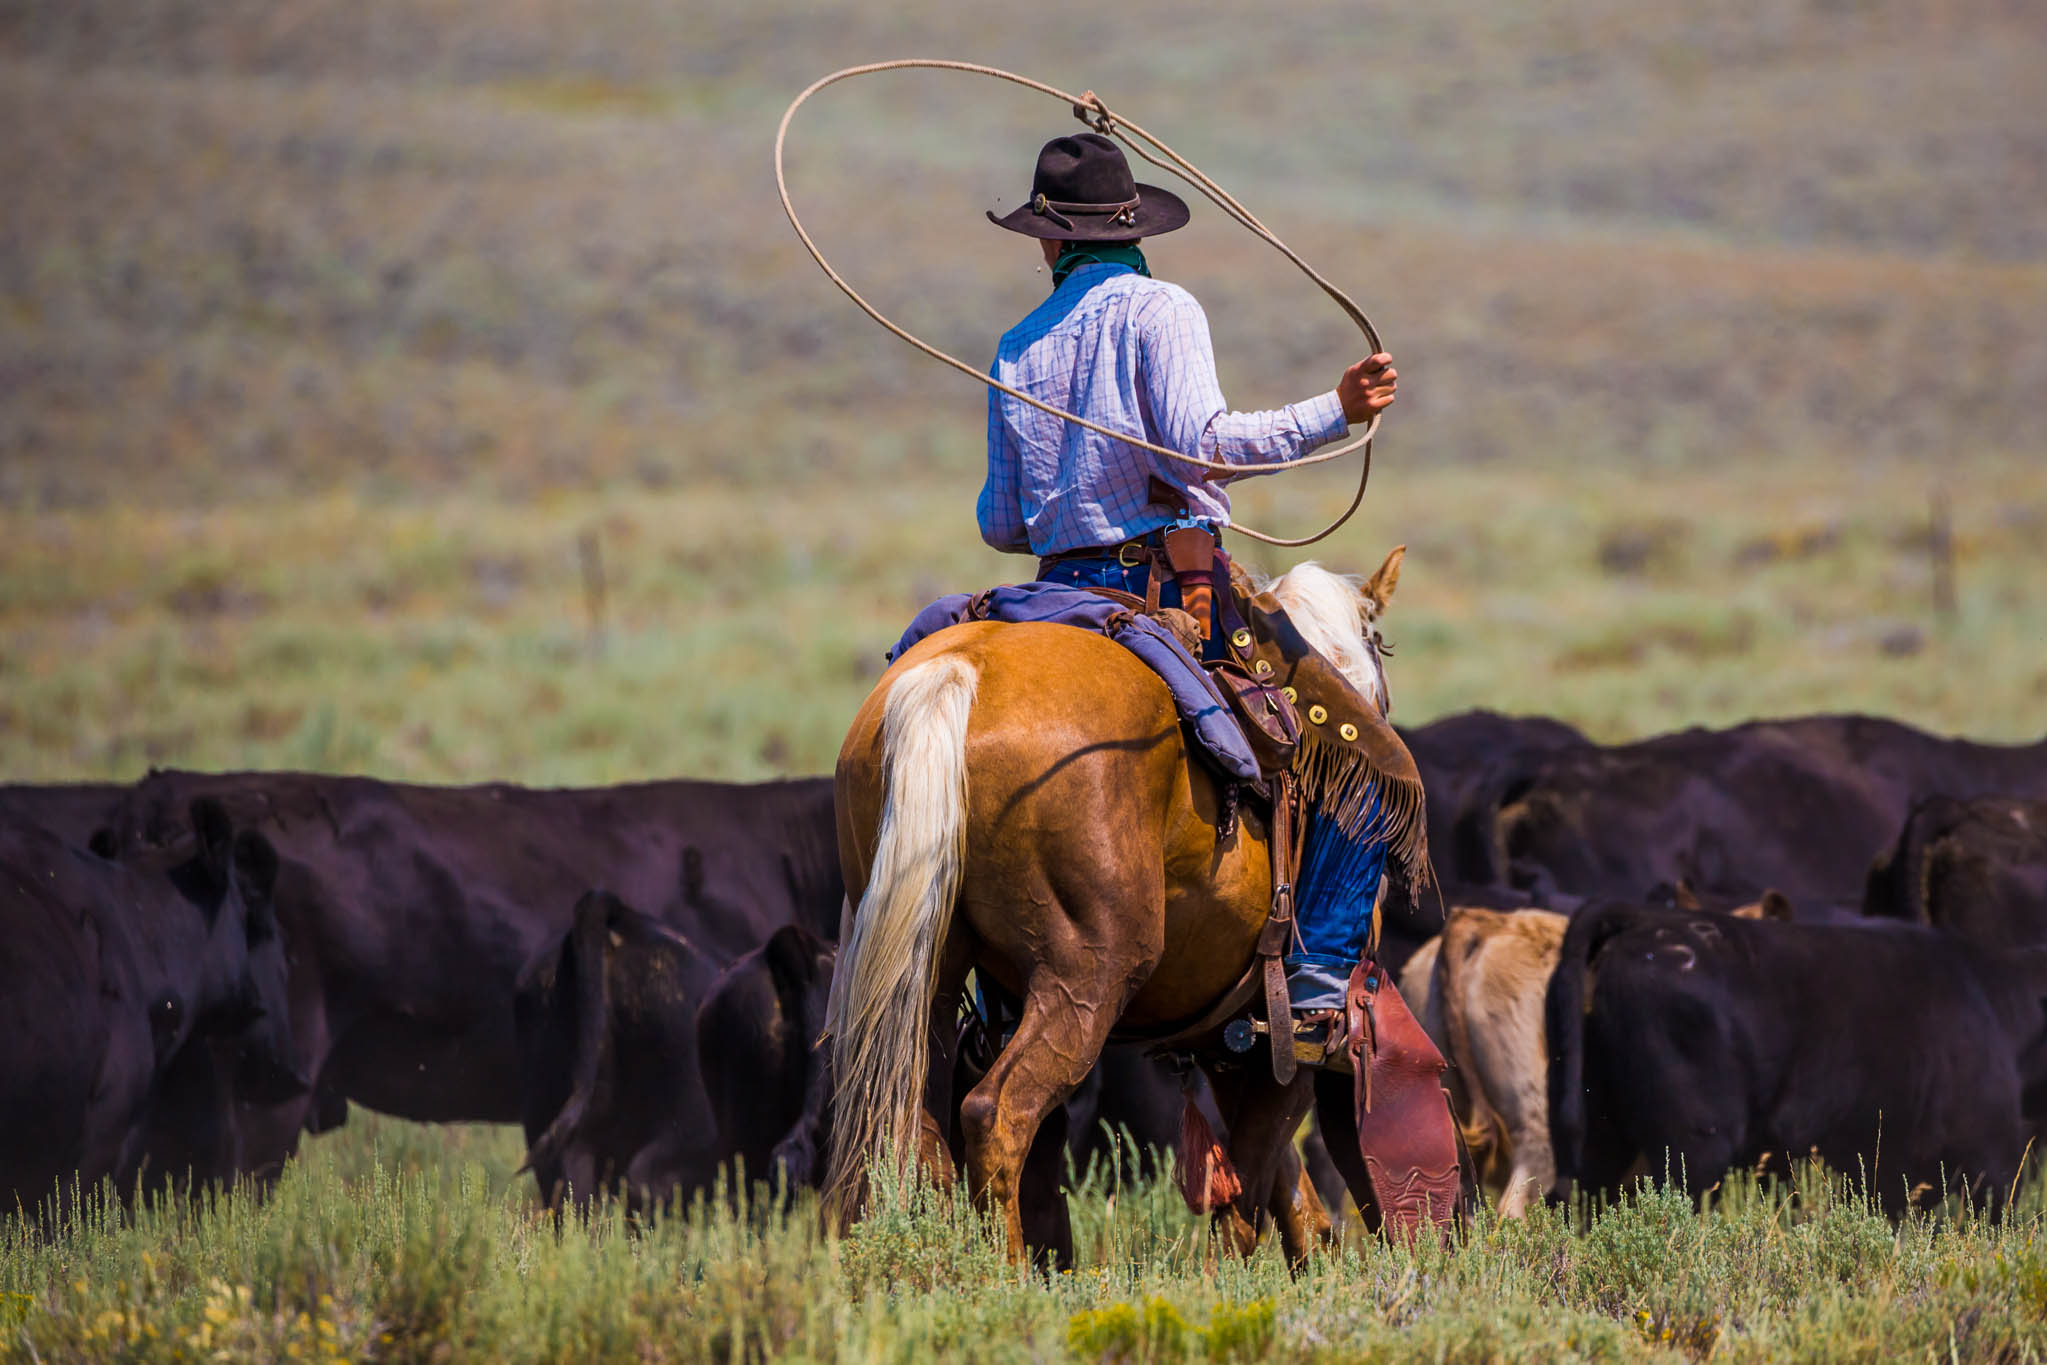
[{"x": 1083, "y": 192}]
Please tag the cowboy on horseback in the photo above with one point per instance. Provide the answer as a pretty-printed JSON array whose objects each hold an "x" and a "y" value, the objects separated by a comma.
[
  {"x": 1109, "y": 839},
  {"x": 1131, "y": 353}
]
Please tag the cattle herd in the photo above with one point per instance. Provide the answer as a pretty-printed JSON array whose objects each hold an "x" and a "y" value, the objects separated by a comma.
[{"x": 1710, "y": 950}]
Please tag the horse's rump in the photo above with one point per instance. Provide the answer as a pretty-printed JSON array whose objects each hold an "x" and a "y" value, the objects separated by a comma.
[
  {"x": 1078, "y": 763},
  {"x": 1082, "y": 819}
]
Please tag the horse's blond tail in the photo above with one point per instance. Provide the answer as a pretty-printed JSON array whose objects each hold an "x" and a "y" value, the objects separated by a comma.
[{"x": 879, "y": 1022}]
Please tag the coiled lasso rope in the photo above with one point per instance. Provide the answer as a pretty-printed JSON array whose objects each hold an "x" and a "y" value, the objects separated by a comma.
[{"x": 1089, "y": 109}]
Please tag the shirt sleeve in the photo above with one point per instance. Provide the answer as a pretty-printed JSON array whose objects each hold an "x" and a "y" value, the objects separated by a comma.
[
  {"x": 1001, "y": 506},
  {"x": 1187, "y": 403}
]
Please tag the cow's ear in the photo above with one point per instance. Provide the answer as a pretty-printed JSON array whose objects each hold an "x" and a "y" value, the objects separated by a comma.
[
  {"x": 1379, "y": 587},
  {"x": 795, "y": 967},
  {"x": 1684, "y": 898},
  {"x": 256, "y": 875},
  {"x": 791, "y": 953},
  {"x": 255, "y": 866},
  {"x": 1776, "y": 905},
  {"x": 214, "y": 835},
  {"x": 213, "y": 829}
]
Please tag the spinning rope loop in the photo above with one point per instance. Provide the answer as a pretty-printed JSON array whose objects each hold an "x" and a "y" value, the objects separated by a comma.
[{"x": 1089, "y": 109}]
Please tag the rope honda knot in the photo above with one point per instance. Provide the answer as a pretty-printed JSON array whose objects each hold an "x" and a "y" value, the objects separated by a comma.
[{"x": 1090, "y": 110}]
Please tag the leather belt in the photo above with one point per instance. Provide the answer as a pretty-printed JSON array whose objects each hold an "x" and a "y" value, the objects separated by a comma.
[{"x": 1130, "y": 554}]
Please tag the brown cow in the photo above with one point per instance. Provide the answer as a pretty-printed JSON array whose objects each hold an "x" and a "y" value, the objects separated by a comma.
[{"x": 1478, "y": 989}]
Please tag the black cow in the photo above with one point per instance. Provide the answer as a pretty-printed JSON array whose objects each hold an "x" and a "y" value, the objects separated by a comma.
[
  {"x": 613, "y": 1098},
  {"x": 411, "y": 910},
  {"x": 647, "y": 1069},
  {"x": 1701, "y": 1043},
  {"x": 1460, "y": 758},
  {"x": 769, "y": 1085},
  {"x": 1800, "y": 805},
  {"x": 191, "y": 1132},
  {"x": 1975, "y": 868},
  {"x": 760, "y": 1090},
  {"x": 1126, "y": 1114},
  {"x": 111, "y": 971}
]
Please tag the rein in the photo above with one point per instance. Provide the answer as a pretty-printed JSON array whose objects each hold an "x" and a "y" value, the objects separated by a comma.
[{"x": 1089, "y": 109}]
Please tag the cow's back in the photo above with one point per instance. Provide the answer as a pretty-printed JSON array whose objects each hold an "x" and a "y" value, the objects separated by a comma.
[
  {"x": 1801, "y": 805},
  {"x": 386, "y": 883}
]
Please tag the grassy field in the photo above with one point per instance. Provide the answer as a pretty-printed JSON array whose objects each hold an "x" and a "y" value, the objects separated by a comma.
[
  {"x": 388, "y": 1242},
  {"x": 431, "y": 388},
  {"x": 454, "y": 640},
  {"x": 334, "y": 339}
]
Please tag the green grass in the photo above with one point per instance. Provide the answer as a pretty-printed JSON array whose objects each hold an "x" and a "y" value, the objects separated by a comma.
[
  {"x": 388, "y": 1242},
  {"x": 454, "y": 641}
]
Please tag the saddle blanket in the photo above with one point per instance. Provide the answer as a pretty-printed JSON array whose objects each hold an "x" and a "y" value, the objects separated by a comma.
[{"x": 1217, "y": 735}]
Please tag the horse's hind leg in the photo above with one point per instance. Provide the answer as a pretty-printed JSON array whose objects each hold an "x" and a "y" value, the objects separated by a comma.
[
  {"x": 1066, "y": 1020},
  {"x": 1304, "y": 1220},
  {"x": 1263, "y": 1118}
]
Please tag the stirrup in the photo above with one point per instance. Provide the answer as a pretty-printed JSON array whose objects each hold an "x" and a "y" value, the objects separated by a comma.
[{"x": 1319, "y": 1039}]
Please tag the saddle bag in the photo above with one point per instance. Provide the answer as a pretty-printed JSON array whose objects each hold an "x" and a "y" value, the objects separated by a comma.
[{"x": 1269, "y": 720}]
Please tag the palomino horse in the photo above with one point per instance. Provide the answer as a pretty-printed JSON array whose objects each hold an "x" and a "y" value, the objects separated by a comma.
[{"x": 1017, "y": 799}]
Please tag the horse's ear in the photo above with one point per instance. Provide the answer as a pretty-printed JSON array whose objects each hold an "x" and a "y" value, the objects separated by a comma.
[{"x": 1381, "y": 584}]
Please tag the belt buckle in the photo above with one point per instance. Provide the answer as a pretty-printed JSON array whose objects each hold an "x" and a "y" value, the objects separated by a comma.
[{"x": 1126, "y": 548}]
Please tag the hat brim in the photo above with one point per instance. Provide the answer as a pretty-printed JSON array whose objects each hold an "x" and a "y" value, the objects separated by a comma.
[{"x": 1158, "y": 211}]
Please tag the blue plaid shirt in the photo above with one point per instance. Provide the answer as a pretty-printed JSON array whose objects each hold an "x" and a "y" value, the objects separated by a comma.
[{"x": 1133, "y": 354}]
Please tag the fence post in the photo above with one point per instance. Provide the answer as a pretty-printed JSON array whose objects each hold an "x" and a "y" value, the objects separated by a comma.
[
  {"x": 591, "y": 553},
  {"x": 1940, "y": 544}
]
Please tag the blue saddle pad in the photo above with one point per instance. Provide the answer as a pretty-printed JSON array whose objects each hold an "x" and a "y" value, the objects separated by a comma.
[{"x": 1217, "y": 735}]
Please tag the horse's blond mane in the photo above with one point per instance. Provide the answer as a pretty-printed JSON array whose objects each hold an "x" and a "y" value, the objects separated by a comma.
[{"x": 1333, "y": 612}]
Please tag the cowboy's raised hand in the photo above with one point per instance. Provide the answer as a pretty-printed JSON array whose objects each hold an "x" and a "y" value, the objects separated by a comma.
[{"x": 1367, "y": 388}]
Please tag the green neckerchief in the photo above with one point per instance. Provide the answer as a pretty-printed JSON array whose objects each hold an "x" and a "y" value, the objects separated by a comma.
[{"x": 1074, "y": 255}]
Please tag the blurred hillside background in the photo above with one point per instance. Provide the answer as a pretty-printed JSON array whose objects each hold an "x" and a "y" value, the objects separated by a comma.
[{"x": 347, "y": 347}]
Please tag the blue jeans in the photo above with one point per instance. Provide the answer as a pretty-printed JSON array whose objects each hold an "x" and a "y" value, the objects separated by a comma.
[
  {"x": 1338, "y": 880},
  {"x": 1335, "y": 891}
]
